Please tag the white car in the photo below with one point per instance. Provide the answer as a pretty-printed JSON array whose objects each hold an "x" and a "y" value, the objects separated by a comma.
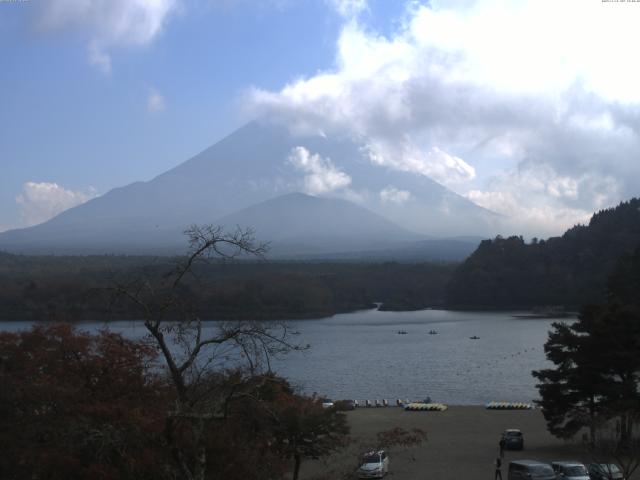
[
  {"x": 326, "y": 403},
  {"x": 374, "y": 465}
]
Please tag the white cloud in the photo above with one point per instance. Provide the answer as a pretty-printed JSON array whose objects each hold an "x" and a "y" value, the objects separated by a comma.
[
  {"x": 5, "y": 227},
  {"x": 321, "y": 175},
  {"x": 434, "y": 163},
  {"x": 531, "y": 218},
  {"x": 538, "y": 201},
  {"x": 537, "y": 45},
  {"x": 99, "y": 58},
  {"x": 506, "y": 85},
  {"x": 348, "y": 8},
  {"x": 155, "y": 101},
  {"x": 391, "y": 194},
  {"x": 107, "y": 23},
  {"x": 39, "y": 202}
]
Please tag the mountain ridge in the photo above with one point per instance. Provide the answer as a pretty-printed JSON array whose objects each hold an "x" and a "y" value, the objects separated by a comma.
[{"x": 247, "y": 167}]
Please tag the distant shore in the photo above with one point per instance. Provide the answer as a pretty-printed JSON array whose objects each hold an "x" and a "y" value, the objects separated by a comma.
[{"x": 267, "y": 315}]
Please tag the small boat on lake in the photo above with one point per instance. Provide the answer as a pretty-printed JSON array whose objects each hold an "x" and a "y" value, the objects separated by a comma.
[
  {"x": 475, "y": 337},
  {"x": 433, "y": 332},
  {"x": 402, "y": 332}
]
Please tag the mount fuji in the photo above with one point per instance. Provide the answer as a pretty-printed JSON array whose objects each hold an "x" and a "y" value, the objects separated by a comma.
[{"x": 260, "y": 176}]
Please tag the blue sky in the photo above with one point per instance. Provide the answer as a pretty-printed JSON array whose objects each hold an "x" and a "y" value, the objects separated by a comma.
[
  {"x": 97, "y": 94},
  {"x": 67, "y": 122}
]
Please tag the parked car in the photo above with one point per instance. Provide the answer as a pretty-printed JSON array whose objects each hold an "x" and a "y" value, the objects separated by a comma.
[
  {"x": 605, "y": 471},
  {"x": 530, "y": 470},
  {"x": 513, "y": 439},
  {"x": 326, "y": 402},
  {"x": 374, "y": 465},
  {"x": 570, "y": 471},
  {"x": 344, "y": 405}
]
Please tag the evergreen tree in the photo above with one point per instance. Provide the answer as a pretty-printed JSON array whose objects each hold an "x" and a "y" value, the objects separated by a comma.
[
  {"x": 596, "y": 377},
  {"x": 572, "y": 391}
]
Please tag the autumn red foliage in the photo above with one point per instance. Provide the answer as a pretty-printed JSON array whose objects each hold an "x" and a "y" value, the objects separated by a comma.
[
  {"x": 79, "y": 406},
  {"x": 75, "y": 405}
]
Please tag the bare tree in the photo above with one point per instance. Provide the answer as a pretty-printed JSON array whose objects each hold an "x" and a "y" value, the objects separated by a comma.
[
  {"x": 617, "y": 441},
  {"x": 191, "y": 350}
]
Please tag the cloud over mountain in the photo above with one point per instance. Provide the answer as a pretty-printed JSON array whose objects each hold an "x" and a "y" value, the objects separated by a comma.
[
  {"x": 39, "y": 202},
  {"x": 393, "y": 195},
  {"x": 321, "y": 175},
  {"x": 494, "y": 99}
]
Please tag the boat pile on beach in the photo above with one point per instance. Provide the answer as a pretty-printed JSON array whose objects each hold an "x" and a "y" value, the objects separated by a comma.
[
  {"x": 508, "y": 406},
  {"x": 428, "y": 406},
  {"x": 425, "y": 407}
]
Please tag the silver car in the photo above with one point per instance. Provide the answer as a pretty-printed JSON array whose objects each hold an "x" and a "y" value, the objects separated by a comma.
[{"x": 374, "y": 465}]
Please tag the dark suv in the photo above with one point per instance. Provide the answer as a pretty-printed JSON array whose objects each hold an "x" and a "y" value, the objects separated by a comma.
[
  {"x": 513, "y": 439},
  {"x": 605, "y": 471},
  {"x": 530, "y": 470}
]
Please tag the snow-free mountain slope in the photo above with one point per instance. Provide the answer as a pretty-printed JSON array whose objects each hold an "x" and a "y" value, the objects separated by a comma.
[
  {"x": 248, "y": 167},
  {"x": 296, "y": 222}
]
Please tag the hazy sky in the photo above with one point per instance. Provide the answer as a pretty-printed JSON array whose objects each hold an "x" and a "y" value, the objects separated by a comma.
[{"x": 530, "y": 108}]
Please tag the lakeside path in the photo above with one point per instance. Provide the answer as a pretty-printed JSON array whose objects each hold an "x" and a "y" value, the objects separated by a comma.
[{"x": 462, "y": 442}]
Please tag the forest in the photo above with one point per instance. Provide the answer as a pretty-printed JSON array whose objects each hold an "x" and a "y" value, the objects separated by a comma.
[
  {"x": 567, "y": 271},
  {"x": 504, "y": 273},
  {"x": 80, "y": 288}
]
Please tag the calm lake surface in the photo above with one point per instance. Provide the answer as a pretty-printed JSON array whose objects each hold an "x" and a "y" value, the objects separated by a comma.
[{"x": 361, "y": 356}]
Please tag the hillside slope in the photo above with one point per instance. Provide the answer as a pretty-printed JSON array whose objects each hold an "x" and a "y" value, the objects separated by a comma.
[
  {"x": 299, "y": 223},
  {"x": 571, "y": 270}
]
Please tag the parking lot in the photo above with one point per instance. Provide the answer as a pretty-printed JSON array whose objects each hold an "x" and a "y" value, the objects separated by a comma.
[{"x": 462, "y": 443}]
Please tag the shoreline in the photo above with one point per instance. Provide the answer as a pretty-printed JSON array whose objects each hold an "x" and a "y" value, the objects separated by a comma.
[{"x": 521, "y": 313}]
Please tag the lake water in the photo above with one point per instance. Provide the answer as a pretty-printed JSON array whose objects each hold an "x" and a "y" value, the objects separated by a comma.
[{"x": 361, "y": 356}]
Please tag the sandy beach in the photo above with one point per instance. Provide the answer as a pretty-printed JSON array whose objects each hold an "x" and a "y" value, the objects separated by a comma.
[{"x": 462, "y": 442}]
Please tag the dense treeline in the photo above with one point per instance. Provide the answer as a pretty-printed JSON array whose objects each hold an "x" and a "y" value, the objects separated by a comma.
[
  {"x": 76, "y": 288},
  {"x": 565, "y": 271}
]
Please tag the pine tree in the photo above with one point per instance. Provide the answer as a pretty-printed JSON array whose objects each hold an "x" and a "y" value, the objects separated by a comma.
[{"x": 596, "y": 376}]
